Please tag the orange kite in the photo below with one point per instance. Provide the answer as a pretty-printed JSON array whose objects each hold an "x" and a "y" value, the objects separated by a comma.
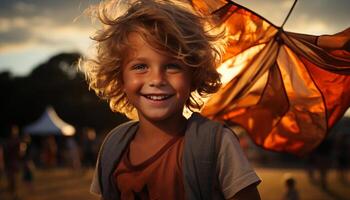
[{"x": 284, "y": 90}]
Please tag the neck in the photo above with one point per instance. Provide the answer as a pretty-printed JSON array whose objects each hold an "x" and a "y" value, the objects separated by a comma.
[{"x": 162, "y": 129}]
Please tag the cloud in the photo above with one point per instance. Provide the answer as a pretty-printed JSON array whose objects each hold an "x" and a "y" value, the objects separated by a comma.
[
  {"x": 19, "y": 32},
  {"x": 26, "y": 24},
  {"x": 18, "y": 35},
  {"x": 308, "y": 25},
  {"x": 23, "y": 7},
  {"x": 321, "y": 16},
  {"x": 51, "y": 22},
  {"x": 12, "y": 23},
  {"x": 46, "y": 24},
  {"x": 280, "y": 9},
  {"x": 309, "y": 16}
]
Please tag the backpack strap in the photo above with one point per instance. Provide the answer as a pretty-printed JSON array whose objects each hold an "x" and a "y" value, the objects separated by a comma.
[
  {"x": 109, "y": 156},
  {"x": 201, "y": 147}
]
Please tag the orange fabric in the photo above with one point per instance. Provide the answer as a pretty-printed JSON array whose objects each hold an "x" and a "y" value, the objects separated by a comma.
[
  {"x": 334, "y": 88},
  {"x": 159, "y": 177},
  {"x": 285, "y": 91}
]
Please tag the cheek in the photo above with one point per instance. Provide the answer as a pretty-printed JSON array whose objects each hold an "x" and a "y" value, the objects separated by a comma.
[
  {"x": 129, "y": 81},
  {"x": 130, "y": 88},
  {"x": 131, "y": 85},
  {"x": 183, "y": 85}
]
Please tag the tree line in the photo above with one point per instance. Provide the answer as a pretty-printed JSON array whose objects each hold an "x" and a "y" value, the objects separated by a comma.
[{"x": 58, "y": 83}]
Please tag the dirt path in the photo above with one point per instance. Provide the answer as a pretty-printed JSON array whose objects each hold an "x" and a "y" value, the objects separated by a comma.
[
  {"x": 64, "y": 184},
  {"x": 272, "y": 187}
]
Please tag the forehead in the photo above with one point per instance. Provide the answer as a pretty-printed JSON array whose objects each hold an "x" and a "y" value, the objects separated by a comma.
[
  {"x": 136, "y": 40},
  {"x": 138, "y": 46}
]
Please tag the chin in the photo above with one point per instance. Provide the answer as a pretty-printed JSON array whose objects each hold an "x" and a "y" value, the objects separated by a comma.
[{"x": 159, "y": 115}]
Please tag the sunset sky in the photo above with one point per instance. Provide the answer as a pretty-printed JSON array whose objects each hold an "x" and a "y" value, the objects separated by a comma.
[{"x": 31, "y": 31}]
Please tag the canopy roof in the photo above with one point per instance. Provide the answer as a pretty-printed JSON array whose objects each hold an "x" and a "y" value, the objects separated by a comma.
[{"x": 50, "y": 124}]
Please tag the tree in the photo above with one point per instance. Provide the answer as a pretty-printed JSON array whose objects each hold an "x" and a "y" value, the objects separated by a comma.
[{"x": 56, "y": 82}]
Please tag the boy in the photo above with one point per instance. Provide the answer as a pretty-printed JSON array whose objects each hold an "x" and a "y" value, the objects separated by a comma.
[{"x": 151, "y": 59}]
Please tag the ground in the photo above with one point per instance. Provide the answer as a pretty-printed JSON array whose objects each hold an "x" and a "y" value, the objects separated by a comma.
[{"x": 66, "y": 184}]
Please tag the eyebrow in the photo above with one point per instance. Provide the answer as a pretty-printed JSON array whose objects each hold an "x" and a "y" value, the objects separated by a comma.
[
  {"x": 140, "y": 58},
  {"x": 145, "y": 59},
  {"x": 133, "y": 59}
]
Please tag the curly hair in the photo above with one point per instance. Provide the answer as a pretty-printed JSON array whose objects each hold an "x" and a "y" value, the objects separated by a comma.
[{"x": 167, "y": 25}]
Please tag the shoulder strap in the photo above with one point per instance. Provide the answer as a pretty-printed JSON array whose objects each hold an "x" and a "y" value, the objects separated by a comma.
[
  {"x": 110, "y": 153},
  {"x": 202, "y": 138}
]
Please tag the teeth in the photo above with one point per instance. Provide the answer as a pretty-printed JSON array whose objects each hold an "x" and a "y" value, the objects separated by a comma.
[{"x": 157, "y": 97}]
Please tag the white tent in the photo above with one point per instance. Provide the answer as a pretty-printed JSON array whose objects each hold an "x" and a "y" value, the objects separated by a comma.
[{"x": 50, "y": 124}]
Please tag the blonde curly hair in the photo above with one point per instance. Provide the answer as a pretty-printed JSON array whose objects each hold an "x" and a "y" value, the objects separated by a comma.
[{"x": 167, "y": 25}]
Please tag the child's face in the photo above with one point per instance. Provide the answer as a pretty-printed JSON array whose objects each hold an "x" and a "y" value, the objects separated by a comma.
[{"x": 155, "y": 84}]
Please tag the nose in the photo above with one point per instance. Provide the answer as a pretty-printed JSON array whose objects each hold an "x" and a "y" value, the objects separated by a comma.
[{"x": 157, "y": 78}]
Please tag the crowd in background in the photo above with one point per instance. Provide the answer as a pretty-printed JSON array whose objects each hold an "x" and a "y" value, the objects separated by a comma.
[{"x": 21, "y": 154}]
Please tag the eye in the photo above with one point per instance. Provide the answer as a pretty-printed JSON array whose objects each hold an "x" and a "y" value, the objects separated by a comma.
[
  {"x": 139, "y": 67},
  {"x": 173, "y": 67}
]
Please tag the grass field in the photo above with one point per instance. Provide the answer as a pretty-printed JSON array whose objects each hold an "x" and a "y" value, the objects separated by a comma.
[{"x": 65, "y": 184}]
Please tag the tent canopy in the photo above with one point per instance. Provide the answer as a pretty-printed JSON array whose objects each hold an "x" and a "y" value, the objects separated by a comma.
[{"x": 50, "y": 124}]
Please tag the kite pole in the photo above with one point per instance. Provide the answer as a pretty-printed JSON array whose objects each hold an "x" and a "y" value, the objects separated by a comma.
[{"x": 290, "y": 11}]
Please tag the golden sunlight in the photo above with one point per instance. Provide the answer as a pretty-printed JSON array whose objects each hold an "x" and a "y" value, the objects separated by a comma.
[{"x": 233, "y": 66}]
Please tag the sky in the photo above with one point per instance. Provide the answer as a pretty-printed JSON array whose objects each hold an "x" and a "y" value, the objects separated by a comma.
[{"x": 31, "y": 31}]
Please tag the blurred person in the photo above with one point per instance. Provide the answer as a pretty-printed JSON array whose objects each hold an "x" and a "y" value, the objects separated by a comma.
[
  {"x": 320, "y": 162},
  {"x": 342, "y": 153},
  {"x": 49, "y": 151},
  {"x": 2, "y": 165},
  {"x": 89, "y": 147},
  {"x": 291, "y": 191},
  {"x": 12, "y": 160},
  {"x": 28, "y": 164},
  {"x": 73, "y": 153}
]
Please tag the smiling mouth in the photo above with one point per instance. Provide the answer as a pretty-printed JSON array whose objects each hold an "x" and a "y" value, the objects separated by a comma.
[{"x": 157, "y": 97}]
